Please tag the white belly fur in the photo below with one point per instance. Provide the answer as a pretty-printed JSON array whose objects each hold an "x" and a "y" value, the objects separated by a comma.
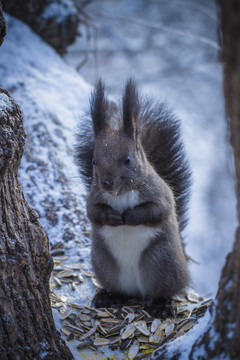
[{"x": 126, "y": 243}]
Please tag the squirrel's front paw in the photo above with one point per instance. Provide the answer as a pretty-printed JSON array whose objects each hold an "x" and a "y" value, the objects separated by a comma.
[
  {"x": 130, "y": 217},
  {"x": 113, "y": 218}
]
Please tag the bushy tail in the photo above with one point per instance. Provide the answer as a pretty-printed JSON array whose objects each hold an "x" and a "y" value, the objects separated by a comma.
[
  {"x": 162, "y": 142},
  {"x": 83, "y": 151}
]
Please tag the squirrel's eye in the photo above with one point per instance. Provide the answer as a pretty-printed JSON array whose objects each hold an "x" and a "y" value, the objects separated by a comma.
[
  {"x": 127, "y": 160},
  {"x": 93, "y": 162}
]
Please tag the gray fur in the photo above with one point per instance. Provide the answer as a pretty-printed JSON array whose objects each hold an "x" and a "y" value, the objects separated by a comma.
[{"x": 137, "y": 247}]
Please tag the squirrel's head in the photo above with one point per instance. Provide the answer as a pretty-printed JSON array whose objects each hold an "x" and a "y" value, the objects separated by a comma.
[{"x": 118, "y": 155}]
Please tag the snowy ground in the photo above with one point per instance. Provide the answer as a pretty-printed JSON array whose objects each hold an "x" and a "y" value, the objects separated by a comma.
[{"x": 171, "y": 49}]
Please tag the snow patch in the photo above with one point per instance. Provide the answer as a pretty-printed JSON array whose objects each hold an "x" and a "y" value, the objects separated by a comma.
[{"x": 5, "y": 103}]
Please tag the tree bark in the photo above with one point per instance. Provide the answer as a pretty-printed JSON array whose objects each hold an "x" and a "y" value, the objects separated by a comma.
[
  {"x": 2, "y": 25},
  {"x": 27, "y": 329}
]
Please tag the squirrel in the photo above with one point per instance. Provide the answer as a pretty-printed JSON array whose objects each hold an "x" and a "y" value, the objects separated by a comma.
[{"x": 133, "y": 160}]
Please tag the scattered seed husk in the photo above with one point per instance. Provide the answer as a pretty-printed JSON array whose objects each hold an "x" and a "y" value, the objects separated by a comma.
[
  {"x": 89, "y": 333},
  {"x": 183, "y": 322},
  {"x": 57, "y": 252},
  {"x": 80, "y": 278},
  {"x": 75, "y": 306},
  {"x": 58, "y": 245},
  {"x": 57, "y": 281},
  {"x": 96, "y": 283},
  {"x": 179, "y": 298},
  {"x": 193, "y": 297},
  {"x": 155, "y": 325},
  {"x": 66, "y": 281},
  {"x": 207, "y": 302},
  {"x": 59, "y": 259},
  {"x": 143, "y": 356},
  {"x": 102, "y": 330},
  {"x": 73, "y": 329},
  {"x": 115, "y": 330},
  {"x": 94, "y": 348},
  {"x": 129, "y": 318},
  {"x": 102, "y": 313},
  {"x": 170, "y": 337},
  {"x": 101, "y": 341},
  {"x": 88, "y": 273},
  {"x": 70, "y": 319},
  {"x": 65, "y": 273},
  {"x": 157, "y": 336},
  {"x": 126, "y": 327},
  {"x": 147, "y": 314},
  {"x": 86, "y": 325},
  {"x": 169, "y": 329},
  {"x": 145, "y": 347},
  {"x": 164, "y": 324},
  {"x": 73, "y": 266},
  {"x": 128, "y": 331},
  {"x": 71, "y": 337},
  {"x": 187, "y": 326},
  {"x": 84, "y": 345},
  {"x": 128, "y": 309},
  {"x": 86, "y": 310},
  {"x": 84, "y": 317},
  {"x": 143, "y": 339},
  {"x": 65, "y": 331},
  {"x": 133, "y": 351},
  {"x": 139, "y": 317},
  {"x": 64, "y": 298},
  {"x": 110, "y": 320},
  {"x": 57, "y": 304},
  {"x": 73, "y": 285},
  {"x": 125, "y": 344},
  {"x": 65, "y": 316},
  {"x": 183, "y": 311},
  {"x": 115, "y": 339},
  {"x": 114, "y": 347},
  {"x": 142, "y": 327}
]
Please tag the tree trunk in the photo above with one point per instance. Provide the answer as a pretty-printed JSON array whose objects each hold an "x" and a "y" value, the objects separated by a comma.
[
  {"x": 222, "y": 338},
  {"x": 2, "y": 25},
  {"x": 55, "y": 21},
  {"x": 27, "y": 329}
]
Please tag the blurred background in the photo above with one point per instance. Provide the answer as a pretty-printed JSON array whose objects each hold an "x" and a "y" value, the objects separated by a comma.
[{"x": 172, "y": 49}]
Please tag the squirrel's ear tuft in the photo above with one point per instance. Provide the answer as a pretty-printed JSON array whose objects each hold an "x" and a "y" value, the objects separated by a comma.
[
  {"x": 131, "y": 108},
  {"x": 99, "y": 108}
]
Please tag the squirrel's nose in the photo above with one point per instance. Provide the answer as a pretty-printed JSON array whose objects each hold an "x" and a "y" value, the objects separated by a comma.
[{"x": 107, "y": 184}]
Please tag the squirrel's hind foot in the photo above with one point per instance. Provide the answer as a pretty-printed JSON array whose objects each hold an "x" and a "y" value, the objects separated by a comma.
[
  {"x": 104, "y": 299},
  {"x": 161, "y": 308}
]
